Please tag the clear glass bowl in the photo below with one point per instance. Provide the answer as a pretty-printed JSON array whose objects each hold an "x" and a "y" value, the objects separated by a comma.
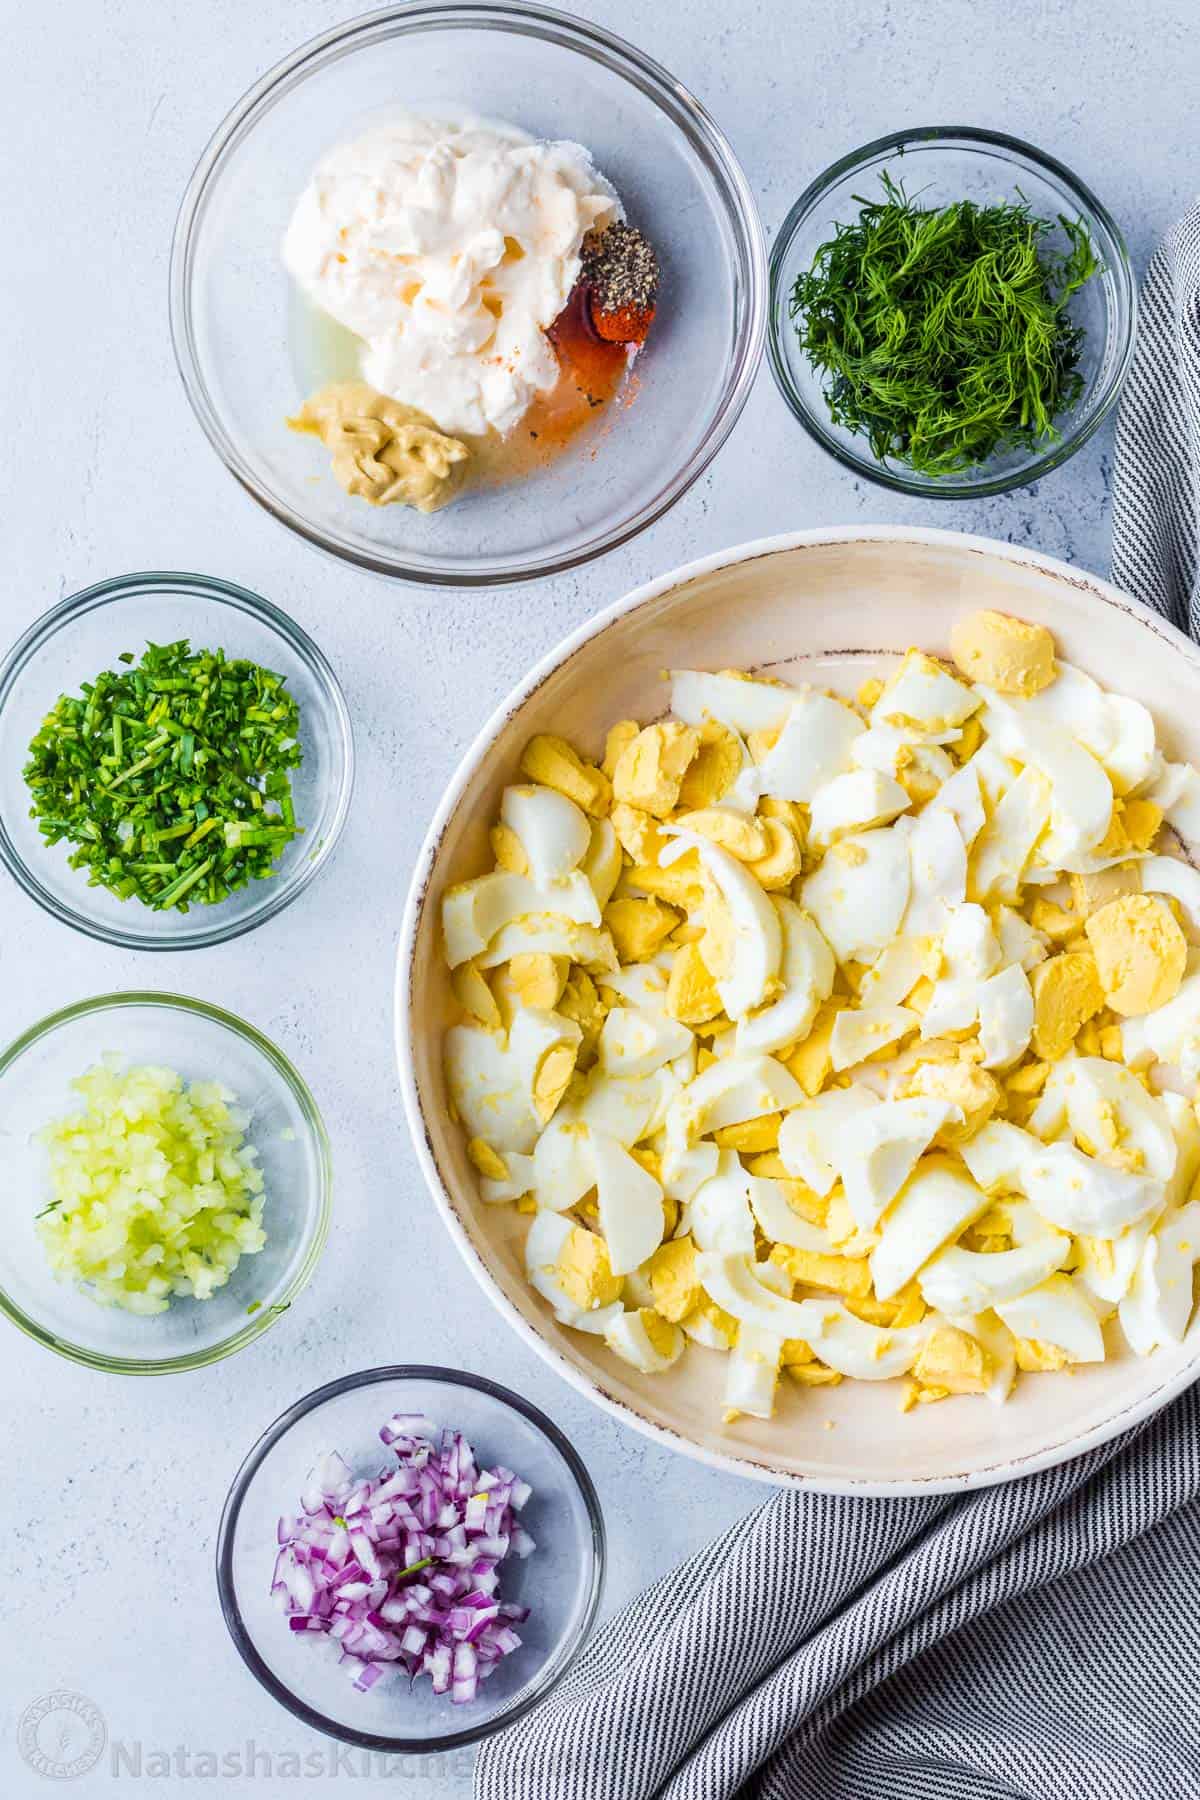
[
  {"x": 561, "y": 1581},
  {"x": 938, "y": 164},
  {"x": 86, "y": 633},
  {"x": 245, "y": 364},
  {"x": 202, "y": 1043}
]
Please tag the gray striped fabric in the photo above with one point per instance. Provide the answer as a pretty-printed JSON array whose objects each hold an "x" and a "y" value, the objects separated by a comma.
[
  {"x": 1037, "y": 1641},
  {"x": 1156, "y": 500}
]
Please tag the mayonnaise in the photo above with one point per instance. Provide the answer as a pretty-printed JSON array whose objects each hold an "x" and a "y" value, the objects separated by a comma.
[{"x": 449, "y": 246}]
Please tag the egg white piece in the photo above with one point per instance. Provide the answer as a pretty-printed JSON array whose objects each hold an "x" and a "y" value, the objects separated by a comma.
[
  {"x": 844, "y": 1342},
  {"x": 1186, "y": 1131},
  {"x": 816, "y": 1135},
  {"x": 1177, "y": 791},
  {"x": 740, "y": 705},
  {"x": 962, "y": 797},
  {"x": 1132, "y": 757},
  {"x": 1103, "y": 1099},
  {"x": 1168, "y": 875},
  {"x": 735, "y": 1284},
  {"x": 881, "y": 1152},
  {"x": 998, "y": 1155},
  {"x": 997, "y": 1341},
  {"x": 995, "y": 775},
  {"x": 629, "y": 1202},
  {"x": 685, "y": 1171},
  {"x": 643, "y": 985},
  {"x": 855, "y": 801},
  {"x": 757, "y": 935},
  {"x": 752, "y": 1372},
  {"x": 779, "y": 1221},
  {"x": 958, "y": 1281},
  {"x": 860, "y": 1031},
  {"x": 1171, "y": 1033},
  {"x": 1056, "y": 1312},
  {"x": 936, "y": 1205},
  {"x": 859, "y": 893},
  {"x": 516, "y": 1184},
  {"x": 1078, "y": 1193},
  {"x": 807, "y": 968},
  {"x": 602, "y": 862},
  {"x": 1158, "y": 1305},
  {"x": 718, "y": 1214},
  {"x": 895, "y": 972},
  {"x": 491, "y": 1078},
  {"x": 813, "y": 747},
  {"x": 1005, "y": 1003},
  {"x": 1081, "y": 793},
  {"x": 628, "y": 1338},
  {"x": 623, "y": 1106},
  {"x": 1019, "y": 941},
  {"x": 923, "y": 696},
  {"x": 553, "y": 832},
  {"x": 970, "y": 949},
  {"x": 857, "y": 1349},
  {"x": 633, "y": 1042},
  {"x": 729, "y": 1093},
  {"x": 938, "y": 873},
  {"x": 474, "y": 911},
  {"x": 889, "y": 749},
  {"x": 562, "y": 1164},
  {"x": 1005, "y": 844},
  {"x": 548, "y": 1233},
  {"x": 638, "y": 1289},
  {"x": 1105, "y": 1267},
  {"x": 952, "y": 1006},
  {"x": 550, "y": 934}
]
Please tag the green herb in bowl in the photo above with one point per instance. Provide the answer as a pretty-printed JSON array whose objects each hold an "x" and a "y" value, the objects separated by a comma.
[
  {"x": 945, "y": 333},
  {"x": 170, "y": 777}
]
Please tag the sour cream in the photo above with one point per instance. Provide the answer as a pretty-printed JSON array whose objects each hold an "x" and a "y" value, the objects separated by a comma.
[{"x": 449, "y": 246}]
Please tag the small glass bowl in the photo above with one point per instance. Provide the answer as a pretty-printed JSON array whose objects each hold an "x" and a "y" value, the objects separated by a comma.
[
  {"x": 246, "y": 346},
  {"x": 939, "y": 164},
  {"x": 80, "y": 636},
  {"x": 202, "y": 1043},
  {"x": 560, "y": 1581}
]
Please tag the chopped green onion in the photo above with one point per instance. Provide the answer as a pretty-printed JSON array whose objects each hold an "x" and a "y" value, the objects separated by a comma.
[{"x": 154, "y": 758}]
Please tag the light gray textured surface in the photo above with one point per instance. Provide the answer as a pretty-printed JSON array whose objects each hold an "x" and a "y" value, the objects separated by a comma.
[{"x": 113, "y": 1488}]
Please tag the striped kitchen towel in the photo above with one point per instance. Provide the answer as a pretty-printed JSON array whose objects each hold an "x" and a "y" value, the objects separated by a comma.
[
  {"x": 1156, "y": 496},
  {"x": 1037, "y": 1641}
]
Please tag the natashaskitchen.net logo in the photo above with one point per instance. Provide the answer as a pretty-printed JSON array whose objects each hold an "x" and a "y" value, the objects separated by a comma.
[{"x": 63, "y": 1735}]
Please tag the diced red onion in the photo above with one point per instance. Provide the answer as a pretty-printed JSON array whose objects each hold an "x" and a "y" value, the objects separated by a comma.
[{"x": 405, "y": 1569}]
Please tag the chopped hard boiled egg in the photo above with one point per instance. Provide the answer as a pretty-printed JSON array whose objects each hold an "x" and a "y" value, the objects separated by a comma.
[{"x": 852, "y": 1039}]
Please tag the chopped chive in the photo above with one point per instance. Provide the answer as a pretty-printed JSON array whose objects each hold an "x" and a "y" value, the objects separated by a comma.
[{"x": 139, "y": 768}]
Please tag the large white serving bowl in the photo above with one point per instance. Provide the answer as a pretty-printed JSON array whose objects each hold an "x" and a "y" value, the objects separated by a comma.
[{"x": 827, "y": 607}]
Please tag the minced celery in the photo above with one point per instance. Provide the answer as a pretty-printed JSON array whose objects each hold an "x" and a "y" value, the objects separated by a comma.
[{"x": 154, "y": 1191}]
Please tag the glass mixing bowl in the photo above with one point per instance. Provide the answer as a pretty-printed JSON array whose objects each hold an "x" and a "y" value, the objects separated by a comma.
[
  {"x": 202, "y": 1043},
  {"x": 88, "y": 632},
  {"x": 246, "y": 354},
  {"x": 560, "y": 1581},
  {"x": 937, "y": 165}
]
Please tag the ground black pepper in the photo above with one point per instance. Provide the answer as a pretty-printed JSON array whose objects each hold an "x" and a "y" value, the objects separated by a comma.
[{"x": 620, "y": 272}]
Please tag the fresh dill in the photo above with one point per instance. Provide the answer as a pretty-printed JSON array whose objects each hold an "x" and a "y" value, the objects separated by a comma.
[{"x": 944, "y": 333}]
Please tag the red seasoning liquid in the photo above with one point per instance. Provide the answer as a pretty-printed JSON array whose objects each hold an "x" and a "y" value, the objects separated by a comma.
[
  {"x": 590, "y": 372},
  {"x": 596, "y": 338}
]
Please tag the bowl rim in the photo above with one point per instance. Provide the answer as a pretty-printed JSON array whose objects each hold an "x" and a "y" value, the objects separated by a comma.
[
  {"x": 168, "y": 582},
  {"x": 591, "y": 1386},
  {"x": 525, "y": 19},
  {"x": 261, "y": 1320},
  {"x": 554, "y": 1669},
  {"x": 973, "y": 139}
]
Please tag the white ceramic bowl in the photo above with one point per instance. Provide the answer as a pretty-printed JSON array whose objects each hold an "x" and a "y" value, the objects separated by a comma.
[{"x": 827, "y": 607}]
